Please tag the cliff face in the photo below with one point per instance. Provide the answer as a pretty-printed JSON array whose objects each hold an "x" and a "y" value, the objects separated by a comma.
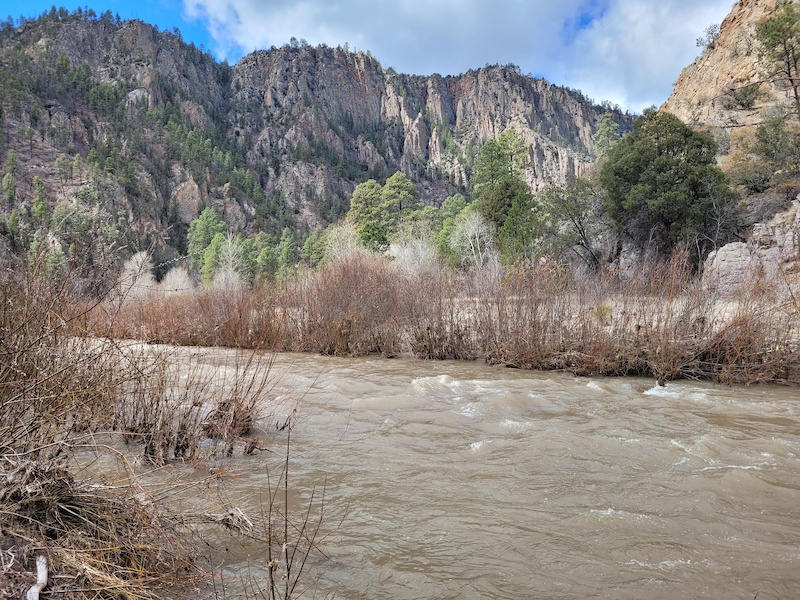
[
  {"x": 279, "y": 139},
  {"x": 347, "y": 115},
  {"x": 705, "y": 93}
]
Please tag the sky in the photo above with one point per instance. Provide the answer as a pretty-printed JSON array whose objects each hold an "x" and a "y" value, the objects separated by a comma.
[{"x": 628, "y": 52}]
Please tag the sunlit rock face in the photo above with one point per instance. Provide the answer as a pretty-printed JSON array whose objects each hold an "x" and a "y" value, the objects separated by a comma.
[{"x": 704, "y": 94}]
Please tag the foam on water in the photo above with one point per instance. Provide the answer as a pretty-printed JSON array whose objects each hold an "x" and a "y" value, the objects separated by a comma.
[
  {"x": 622, "y": 514},
  {"x": 517, "y": 425},
  {"x": 477, "y": 446},
  {"x": 664, "y": 565},
  {"x": 470, "y": 410}
]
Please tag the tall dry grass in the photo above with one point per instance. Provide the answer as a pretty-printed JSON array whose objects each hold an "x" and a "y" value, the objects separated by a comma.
[{"x": 65, "y": 391}]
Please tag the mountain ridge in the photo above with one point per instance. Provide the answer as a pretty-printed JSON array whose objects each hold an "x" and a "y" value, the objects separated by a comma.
[{"x": 280, "y": 138}]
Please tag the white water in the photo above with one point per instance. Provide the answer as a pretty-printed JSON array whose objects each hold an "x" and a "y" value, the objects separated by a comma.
[{"x": 458, "y": 480}]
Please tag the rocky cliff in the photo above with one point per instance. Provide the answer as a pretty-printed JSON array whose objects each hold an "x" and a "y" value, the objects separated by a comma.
[
  {"x": 281, "y": 138},
  {"x": 329, "y": 115},
  {"x": 726, "y": 90},
  {"x": 708, "y": 92}
]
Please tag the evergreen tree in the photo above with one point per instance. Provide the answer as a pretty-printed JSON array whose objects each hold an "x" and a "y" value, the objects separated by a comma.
[
  {"x": 448, "y": 213},
  {"x": 287, "y": 252},
  {"x": 9, "y": 189},
  {"x": 368, "y": 217},
  {"x": 40, "y": 209},
  {"x": 502, "y": 194},
  {"x": 779, "y": 40},
  {"x": 267, "y": 261},
  {"x": 314, "y": 248},
  {"x": 12, "y": 162},
  {"x": 247, "y": 257},
  {"x": 77, "y": 167},
  {"x": 499, "y": 159},
  {"x": 399, "y": 196},
  {"x": 202, "y": 231},
  {"x": 663, "y": 188},
  {"x": 606, "y": 135},
  {"x": 212, "y": 257},
  {"x": 63, "y": 167},
  {"x": 521, "y": 228}
]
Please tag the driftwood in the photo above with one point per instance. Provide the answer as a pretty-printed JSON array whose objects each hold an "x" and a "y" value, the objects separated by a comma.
[{"x": 41, "y": 578}]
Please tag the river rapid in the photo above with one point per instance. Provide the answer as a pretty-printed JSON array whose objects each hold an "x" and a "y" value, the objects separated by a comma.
[{"x": 459, "y": 480}]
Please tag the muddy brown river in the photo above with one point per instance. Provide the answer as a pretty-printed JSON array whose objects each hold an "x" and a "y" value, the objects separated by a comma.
[{"x": 458, "y": 480}]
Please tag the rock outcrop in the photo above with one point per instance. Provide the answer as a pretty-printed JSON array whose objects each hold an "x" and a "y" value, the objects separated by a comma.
[
  {"x": 771, "y": 254},
  {"x": 705, "y": 93}
]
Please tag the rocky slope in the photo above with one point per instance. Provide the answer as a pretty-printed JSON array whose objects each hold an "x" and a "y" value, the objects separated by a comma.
[
  {"x": 281, "y": 138},
  {"x": 712, "y": 93},
  {"x": 705, "y": 93}
]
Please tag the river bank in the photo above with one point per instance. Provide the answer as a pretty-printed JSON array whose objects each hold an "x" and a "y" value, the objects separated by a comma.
[{"x": 661, "y": 322}]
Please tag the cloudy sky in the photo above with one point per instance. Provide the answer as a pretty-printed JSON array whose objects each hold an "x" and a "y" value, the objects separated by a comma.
[{"x": 629, "y": 52}]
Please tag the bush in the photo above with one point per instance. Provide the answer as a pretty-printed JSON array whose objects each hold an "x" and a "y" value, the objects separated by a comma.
[
  {"x": 664, "y": 189},
  {"x": 65, "y": 395}
]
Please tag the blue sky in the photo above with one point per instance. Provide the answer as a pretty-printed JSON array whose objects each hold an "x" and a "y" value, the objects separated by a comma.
[
  {"x": 626, "y": 51},
  {"x": 165, "y": 13}
]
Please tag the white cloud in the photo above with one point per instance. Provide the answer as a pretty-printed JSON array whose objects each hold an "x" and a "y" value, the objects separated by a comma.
[
  {"x": 629, "y": 51},
  {"x": 634, "y": 54}
]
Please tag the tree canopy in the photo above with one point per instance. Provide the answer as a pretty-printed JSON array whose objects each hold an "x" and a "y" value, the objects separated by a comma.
[
  {"x": 663, "y": 188},
  {"x": 376, "y": 211}
]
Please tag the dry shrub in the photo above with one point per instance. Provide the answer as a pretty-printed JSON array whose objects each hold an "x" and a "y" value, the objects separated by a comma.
[
  {"x": 180, "y": 400},
  {"x": 162, "y": 410},
  {"x": 236, "y": 318},
  {"x": 62, "y": 389},
  {"x": 52, "y": 385},
  {"x": 348, "y": 308},
  {"x": 429, "y": 320},
  {"x": 523, "y": 319},
  {"x": 758, "y": 343},
  {"x": 239, "y": 398},
  {"x": 56, "y": 389},
  {"x": 363, "y": 304},
  {"x": 433, "y": 314}
]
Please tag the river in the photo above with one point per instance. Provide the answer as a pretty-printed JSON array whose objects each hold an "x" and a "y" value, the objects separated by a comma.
[{"x": 459, "y": 480}]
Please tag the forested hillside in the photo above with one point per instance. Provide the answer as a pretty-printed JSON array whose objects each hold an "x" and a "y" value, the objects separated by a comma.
[{"x": 116, "y": 136}]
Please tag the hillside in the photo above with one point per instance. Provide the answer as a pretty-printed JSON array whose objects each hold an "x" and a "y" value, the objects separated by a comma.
[
  {"x": 140, "y": 131},
  {"x": 708, "y": 92},
  {"x": 736, "y": 92}
]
